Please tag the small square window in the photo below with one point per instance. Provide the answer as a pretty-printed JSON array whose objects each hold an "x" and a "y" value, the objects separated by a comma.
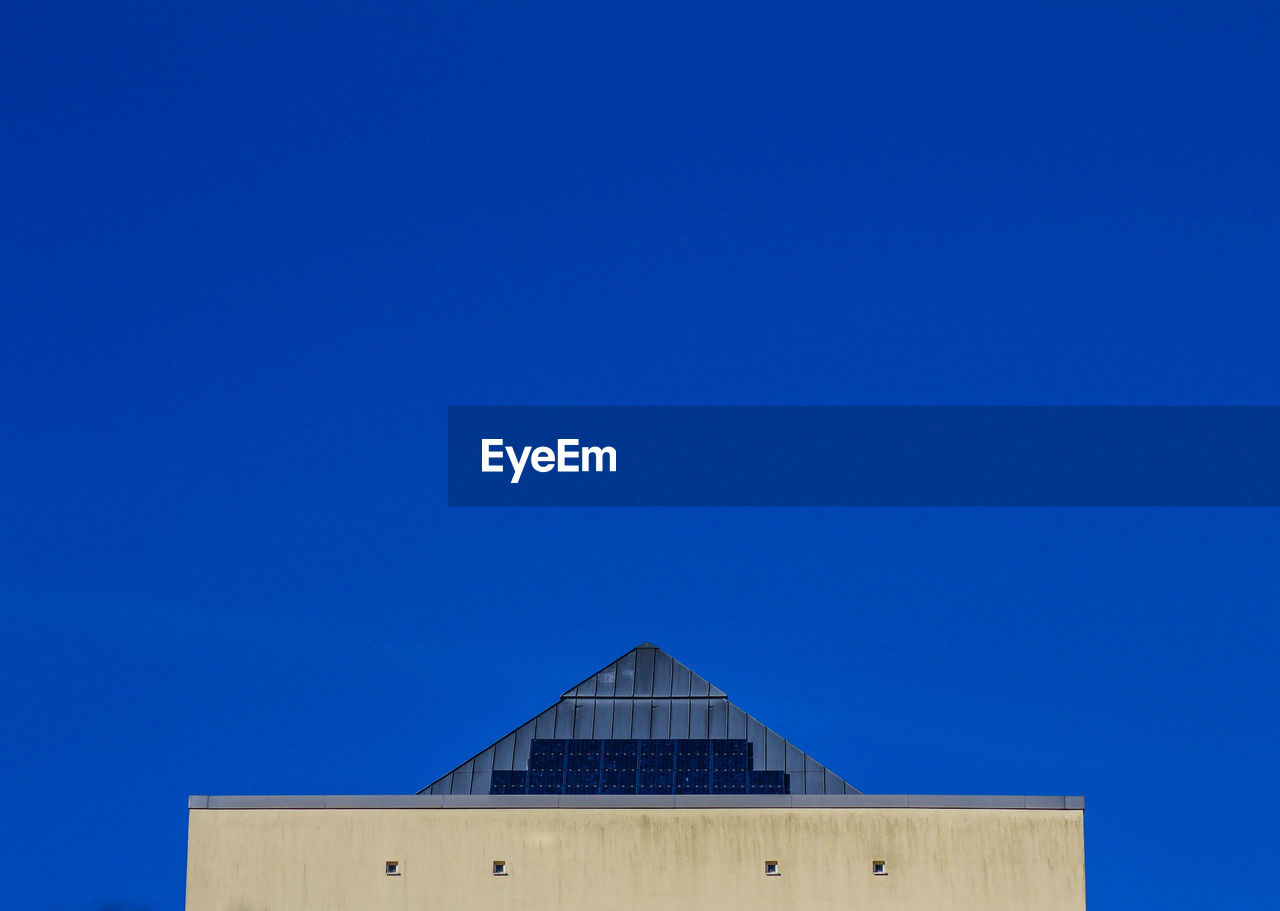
[
  {"x": 393, "y": 868},
  {"x": 878, "y": 868},
  {"x": 771, "y": 868},
  {"x": 499, "y": 868}
]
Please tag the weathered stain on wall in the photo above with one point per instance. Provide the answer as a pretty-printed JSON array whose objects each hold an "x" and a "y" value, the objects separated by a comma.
[{"x": 635, "y": 859}]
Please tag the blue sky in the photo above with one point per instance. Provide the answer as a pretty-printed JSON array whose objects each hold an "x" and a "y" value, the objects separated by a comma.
[{"x": 251, "y": 252}]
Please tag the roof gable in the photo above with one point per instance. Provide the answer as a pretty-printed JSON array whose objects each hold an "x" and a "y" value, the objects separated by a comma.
[{"x": 643, "y": 695}]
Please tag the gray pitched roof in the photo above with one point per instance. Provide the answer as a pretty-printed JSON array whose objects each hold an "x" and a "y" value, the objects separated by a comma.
[{"x": 645, "y": 694}]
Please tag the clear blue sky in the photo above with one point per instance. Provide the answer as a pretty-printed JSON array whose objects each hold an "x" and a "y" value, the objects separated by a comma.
[{"x": 250, "y": 253}]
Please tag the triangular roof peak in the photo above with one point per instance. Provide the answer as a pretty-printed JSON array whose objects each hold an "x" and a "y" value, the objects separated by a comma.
[
  {"x": 645, "y": 694},
  {"x": 645, "y": 672}
]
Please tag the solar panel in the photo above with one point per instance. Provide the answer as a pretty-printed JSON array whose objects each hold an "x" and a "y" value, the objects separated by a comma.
[
  {"x": 546, "y": 782},
  {"x": 656, "y": 782},
  {"x": 509, "y": 782},
  {"x": 545, "y": 755},
  {"x": 728, "y": 781},
  {"x": 619, "y": 755},
  {"x": 693, "y": 781},
  {"x": 594, "y": 766},
  {"x": 582, "y": 783},
  {"x": 768, "y": 781},
  {"x": 693, "y": 754},
  {"x": 618, "y": 782}
]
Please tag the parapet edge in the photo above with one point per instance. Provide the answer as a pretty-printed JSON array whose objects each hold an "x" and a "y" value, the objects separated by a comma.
[{"x": 624, "y": 801}]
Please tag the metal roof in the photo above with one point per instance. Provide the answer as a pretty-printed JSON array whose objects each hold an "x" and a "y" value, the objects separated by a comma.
[{"x": 644, "y": 695}]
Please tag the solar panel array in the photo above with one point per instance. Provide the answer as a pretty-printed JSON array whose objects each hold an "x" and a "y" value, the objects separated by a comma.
[{"x": 587, "y": 766}]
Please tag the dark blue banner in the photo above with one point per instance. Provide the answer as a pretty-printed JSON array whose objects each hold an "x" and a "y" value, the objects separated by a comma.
[{"x": 863, "y": 456}]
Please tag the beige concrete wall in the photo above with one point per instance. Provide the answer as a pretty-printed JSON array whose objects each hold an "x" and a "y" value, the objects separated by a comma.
[{"x": 635, "y": 859}]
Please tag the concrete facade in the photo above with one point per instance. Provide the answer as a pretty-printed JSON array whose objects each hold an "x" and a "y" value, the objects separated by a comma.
[{"x": 636, "y": 854}]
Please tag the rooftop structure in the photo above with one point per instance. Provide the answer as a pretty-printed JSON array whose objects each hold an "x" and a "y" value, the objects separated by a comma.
[{"x": 644, "y": 724}]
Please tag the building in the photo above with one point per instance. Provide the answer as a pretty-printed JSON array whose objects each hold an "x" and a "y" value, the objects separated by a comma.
[{"x": 643, "y": 787}]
